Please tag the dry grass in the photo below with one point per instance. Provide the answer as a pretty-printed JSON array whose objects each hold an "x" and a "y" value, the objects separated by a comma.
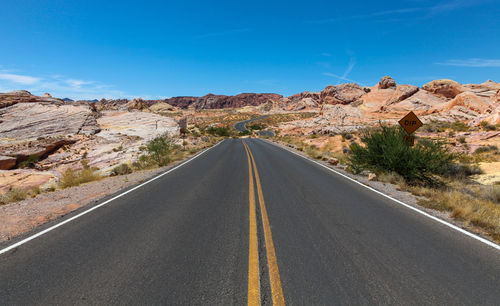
[
  {"x": 471, "y": 209},
  {"x": 390, "y": 177},
  {"x": 73, "y": 178},
  {"x": 13, "y": 195}
]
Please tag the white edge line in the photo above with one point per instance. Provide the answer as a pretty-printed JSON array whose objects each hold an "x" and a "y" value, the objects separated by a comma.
[
  {"x": 45, "y": 231},
  {"x": 485, "y": 241}
]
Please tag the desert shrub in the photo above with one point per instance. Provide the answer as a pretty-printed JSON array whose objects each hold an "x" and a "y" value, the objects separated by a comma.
[
  {"x": 485, "y": 125},
  {"x": 347, "y": 136},
  {"x": 219, "y": 131},
  {"x": 462, "y": 170},
  {"x": 493, "y": 193},
  {"x": 244, "y": 133},
  {"x": 485, "y": 149},
  {"x": 13, "y": 195},
  {"x": 385, "y": 150},
  {"x": 312, "y": 151},
  {"x": 35, "y": 191},
  {"x": 459, "y": 126},
  {"x": 121, "y": 169},
  {"x": 461, "y": 139},
  {"x": 71, "y": 177},
  {"x": 159, "y": 150},
  {"x": 257, "y": 126}
]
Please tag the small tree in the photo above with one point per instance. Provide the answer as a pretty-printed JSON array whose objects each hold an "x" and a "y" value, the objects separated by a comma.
[{"x": 159, "y": 149}]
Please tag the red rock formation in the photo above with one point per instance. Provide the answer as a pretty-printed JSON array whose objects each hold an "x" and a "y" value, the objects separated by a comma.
[
  {"x": 341, "y": 94},
  {"x": 444, "y": 88},
  {"x": 470, "y": 101},
  {"x": 386, "y": 82},
  {"x": 212, "y": 101},
  {"x": 23, "y": 96},
  {"x": 7, "y": 162}
]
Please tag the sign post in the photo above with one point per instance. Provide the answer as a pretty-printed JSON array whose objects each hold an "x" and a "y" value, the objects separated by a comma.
[
  {"x": 183, "y": 126},
  {"x": 410, "y": 123}
]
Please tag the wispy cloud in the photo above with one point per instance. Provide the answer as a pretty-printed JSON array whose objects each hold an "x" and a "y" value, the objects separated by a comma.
[
  {"x": 472, "y": 62},
  {"x": 77, "y": 83},
  {"x": 424, "y": 11},
  {"x": 58, "y": 86},
  {"x": 340, "y": 77},
  {"x": 19, "y": 79},
  {"x": 344, "y": 76},
  {"x": 223, "y": 33}
]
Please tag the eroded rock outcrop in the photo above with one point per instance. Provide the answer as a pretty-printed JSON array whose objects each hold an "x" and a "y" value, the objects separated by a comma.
[
  {"x": 24, "y": 96},
  {"x": 7, "y": 162},
  {"x": 29, "y": 121},
  {"x": 386, "y": 82},
  {"x": 341, "y": 94},
  {"x": 444, "y": 88}
]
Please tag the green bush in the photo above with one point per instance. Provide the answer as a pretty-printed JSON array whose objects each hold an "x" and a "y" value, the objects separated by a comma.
[
  {"x": 159, "y": 150},
  {"x": 257, "y": 126},
  {"x": 244, "y": 133},
  {"x": 459, "y": 126},
  {"x": 485, "y": 125},
  {"x": 385, "y": 150},
  {"x": 121, "y": 169},
  {"x": 485, "y": 149},
  {"x": 219, "y": 131},
  {"x": 461, "y": 171}
]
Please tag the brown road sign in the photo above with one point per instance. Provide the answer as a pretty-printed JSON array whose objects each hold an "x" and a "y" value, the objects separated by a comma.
[
  {"x": 410, "y": 123},
  {"x": 183, "y": 125}
]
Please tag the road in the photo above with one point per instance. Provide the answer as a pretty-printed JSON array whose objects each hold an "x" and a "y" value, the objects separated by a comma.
[
  {"x": 249, "y": 222},
  {"x": 242, "y": 126}
]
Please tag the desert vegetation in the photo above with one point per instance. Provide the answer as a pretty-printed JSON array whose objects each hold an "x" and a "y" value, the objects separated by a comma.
[
  {"x": 384, "y": 149},
  {"x": 72, "y": 177}
]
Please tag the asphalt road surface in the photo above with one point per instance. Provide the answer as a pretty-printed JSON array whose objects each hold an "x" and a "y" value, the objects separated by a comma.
[
  {"x": 242, "y": 126},
  {"x": 251, "y": 223}
]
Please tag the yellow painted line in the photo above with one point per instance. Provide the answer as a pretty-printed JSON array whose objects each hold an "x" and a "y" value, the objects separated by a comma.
[
  {"x": 253, "y": 252},
  {"x": 272, "y": 263}
]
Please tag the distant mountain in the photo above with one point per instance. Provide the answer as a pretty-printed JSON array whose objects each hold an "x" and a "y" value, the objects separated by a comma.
[
  {"x": 68, "y": 100},
  {"x": 90, "y": 101},
  {"x": 212, "y": 101}
]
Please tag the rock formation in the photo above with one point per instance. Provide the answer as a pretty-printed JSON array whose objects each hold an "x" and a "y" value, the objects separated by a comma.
[
  {"x": 24, "y": 96},
  {"x": 444, "y": 88},
  {"x": 386, "y": 82},
  {"x": 341, "y": 94}
]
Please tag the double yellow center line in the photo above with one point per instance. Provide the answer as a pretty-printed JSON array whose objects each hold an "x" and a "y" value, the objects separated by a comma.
[{"x": 253, "y": 255}]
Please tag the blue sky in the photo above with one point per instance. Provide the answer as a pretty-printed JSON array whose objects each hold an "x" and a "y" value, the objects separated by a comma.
[{"x": 152, "y": 49}]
